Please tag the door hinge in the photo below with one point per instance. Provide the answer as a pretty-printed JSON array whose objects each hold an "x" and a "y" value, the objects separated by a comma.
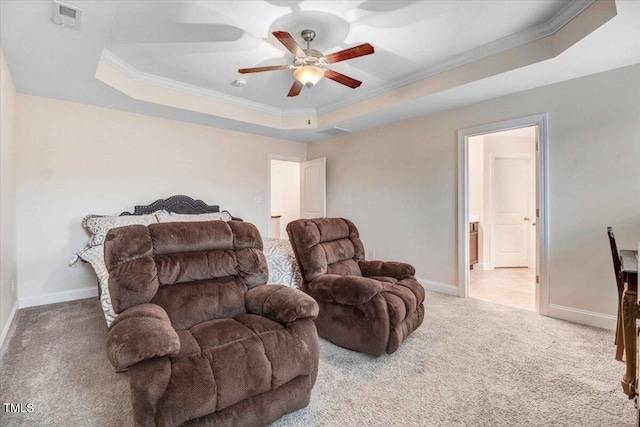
[
  {"x": 536, "y": 145},
  {"x": 537, "y": 279},
  {"x": 537, "y": 213}
]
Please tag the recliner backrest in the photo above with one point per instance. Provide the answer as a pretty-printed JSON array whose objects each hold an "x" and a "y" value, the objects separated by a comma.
[
  {"x": 326, "y": 246},
  {"x": 196, "y": 271}
]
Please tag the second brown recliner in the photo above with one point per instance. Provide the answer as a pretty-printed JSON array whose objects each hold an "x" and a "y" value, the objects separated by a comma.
[{"x": 367, "y": 306}]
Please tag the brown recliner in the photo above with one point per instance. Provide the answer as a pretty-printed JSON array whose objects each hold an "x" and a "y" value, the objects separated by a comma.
[
  {"x": 367, "y": 306},
  {"x": 205, "y": 340}
]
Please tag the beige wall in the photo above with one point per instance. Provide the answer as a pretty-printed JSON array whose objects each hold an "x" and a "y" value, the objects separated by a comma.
[
  {"x": 75, "y": 159},
  {"x": 398, "y": 183},
  {"x": 8, "y": 296}
]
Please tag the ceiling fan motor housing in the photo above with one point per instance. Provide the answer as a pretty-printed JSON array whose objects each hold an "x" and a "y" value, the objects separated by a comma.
[{"x": 313, "y": 57}]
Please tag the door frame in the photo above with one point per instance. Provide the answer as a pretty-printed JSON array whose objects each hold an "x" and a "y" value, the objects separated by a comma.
[
  {"x": 542, "y": 200},
  {"x": 492, "y": 183},
  {"x": 273, "y": 156}
]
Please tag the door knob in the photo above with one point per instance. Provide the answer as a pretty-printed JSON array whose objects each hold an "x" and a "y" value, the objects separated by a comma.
[{"x": 526, "y": 218}]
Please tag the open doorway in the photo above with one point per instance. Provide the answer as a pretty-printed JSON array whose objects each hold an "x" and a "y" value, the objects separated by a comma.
[
  {"x": 297, "y": 189},
  {"x": 494, "y": 237},
  {"x": 502, "y": 206},
  {"x": 285, "y": 196}
]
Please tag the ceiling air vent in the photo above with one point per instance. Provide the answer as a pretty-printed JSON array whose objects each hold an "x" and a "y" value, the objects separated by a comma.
[
  {"x": 335, "y": 131},
  {"x": 65, "y": 15}
]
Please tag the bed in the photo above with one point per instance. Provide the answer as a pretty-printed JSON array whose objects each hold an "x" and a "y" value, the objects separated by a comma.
[{"x": 283, "y": 268}]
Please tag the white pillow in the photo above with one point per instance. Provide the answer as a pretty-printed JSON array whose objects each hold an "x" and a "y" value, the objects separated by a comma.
[
  {"x": 99, "y": 225},
  {"x": 215, "y": 216}
]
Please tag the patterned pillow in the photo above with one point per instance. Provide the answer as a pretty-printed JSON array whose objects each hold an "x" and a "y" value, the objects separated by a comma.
[
  {"x": 283, "y": 268},
  {"x": 95, "y": 256},
  {"x": 99, "y": 225},
  {"x": 215, "y": 216}
]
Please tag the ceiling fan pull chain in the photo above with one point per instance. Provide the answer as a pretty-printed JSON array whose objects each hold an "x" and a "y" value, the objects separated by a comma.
[{"x": 309, "y": 98}]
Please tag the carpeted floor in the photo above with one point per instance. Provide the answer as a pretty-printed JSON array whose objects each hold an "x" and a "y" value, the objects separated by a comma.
[{"x": 472, "y": 363}]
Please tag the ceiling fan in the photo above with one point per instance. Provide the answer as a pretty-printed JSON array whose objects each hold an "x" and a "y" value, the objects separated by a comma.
[{"x": 311, "y": 65}]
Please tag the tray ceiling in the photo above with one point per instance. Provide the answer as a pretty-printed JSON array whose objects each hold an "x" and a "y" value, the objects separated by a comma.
[{"x": 179, "y": 59}]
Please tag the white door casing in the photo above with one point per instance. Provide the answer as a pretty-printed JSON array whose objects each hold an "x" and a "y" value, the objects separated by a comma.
[
  {"x": 313, "y": 188},
  {"x": 533, "y": 204},
  {"x": 511, "y": 189},
  {"x": 542, "y": 202}
]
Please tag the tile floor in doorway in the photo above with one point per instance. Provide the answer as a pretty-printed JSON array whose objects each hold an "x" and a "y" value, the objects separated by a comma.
[{"x": 515, "y": 287}]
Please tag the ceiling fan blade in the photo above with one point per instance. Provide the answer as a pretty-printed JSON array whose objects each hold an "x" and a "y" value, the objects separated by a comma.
[
  {"x": 289, "y": 42},
  {"x": 261, "y": 69},
  {"x": 342, "y": 79},
  {"x": 296, "y": 87},
  {"x": 352, "y": 52}
]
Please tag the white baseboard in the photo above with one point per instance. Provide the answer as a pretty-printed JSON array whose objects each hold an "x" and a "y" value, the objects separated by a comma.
[
  {"x": 55, "y": 297},
  {"x": 442, "y": 288},
  {"x": 481, "y": 266},
  {"x": 591, "y": 318},
  {"x": 7, "y": 326}
]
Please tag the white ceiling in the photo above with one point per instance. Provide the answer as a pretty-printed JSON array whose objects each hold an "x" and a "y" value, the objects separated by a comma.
[{"x": 201, "y": 44}]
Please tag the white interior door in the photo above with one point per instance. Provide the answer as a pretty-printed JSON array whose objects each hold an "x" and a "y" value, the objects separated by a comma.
[
  {"x": 313, "y": 188},
  {"x": 512, "y": 218}
]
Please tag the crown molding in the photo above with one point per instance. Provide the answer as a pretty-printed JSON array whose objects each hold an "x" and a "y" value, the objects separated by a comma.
[
  {"x": 569, "y": 12},
  {"x": 546, "y": 29},
  {"x": 142, "y": 77}
]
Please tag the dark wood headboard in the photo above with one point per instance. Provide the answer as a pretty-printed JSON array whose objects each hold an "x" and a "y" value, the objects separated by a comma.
[{"x": 177, "y": 204}]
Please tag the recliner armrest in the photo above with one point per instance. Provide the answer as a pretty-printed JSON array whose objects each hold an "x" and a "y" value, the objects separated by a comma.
[
  {"x": 139, "y": 333},
  {"x": 280, "y": 303},
  {"x": 397, "y": 270},
  {"x": 345, "y": 290}
]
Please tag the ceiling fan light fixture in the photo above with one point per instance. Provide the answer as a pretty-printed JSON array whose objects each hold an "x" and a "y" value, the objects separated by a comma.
[{"x": 308, "y": 75}]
